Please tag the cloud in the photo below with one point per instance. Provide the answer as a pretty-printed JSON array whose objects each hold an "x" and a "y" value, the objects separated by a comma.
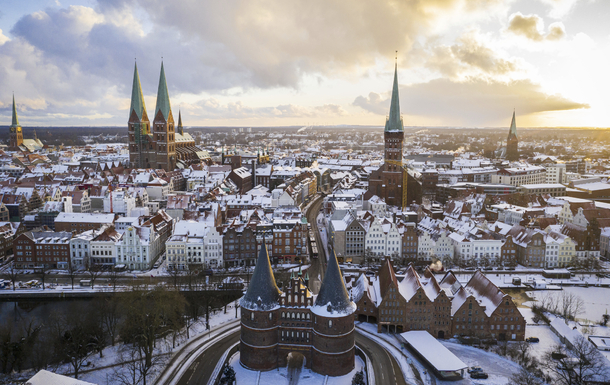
[
  {"x": 473, "y": 102},
  {"x": 470, "y": 56},
  {"x": 211, "y": 109},
  {"x": 560, "y": 8},
  {"x": 532, "y": 27}
]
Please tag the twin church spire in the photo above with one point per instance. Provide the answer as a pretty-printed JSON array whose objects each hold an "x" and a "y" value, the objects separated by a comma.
[{"x": 163, "y": 104}]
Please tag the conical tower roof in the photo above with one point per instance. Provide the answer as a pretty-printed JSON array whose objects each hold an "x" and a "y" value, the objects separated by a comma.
[
  {"x": 137, "y": 98},
  {"x": 333, "y": 299},
  {"x": 263, "y": 293},
  {"x": 180, "y": 128},
  {"x": 394, "y": 122},
  {"x": 15, "y": 122},
  {"x": 512, "y": 133},
  {"x": 163, "y": 96}
]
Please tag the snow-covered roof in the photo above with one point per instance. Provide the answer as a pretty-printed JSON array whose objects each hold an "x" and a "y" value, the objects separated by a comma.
[
  {"x": 433, "y": 351},
  {"x": 45, "y": 377},
  {"x": 333, "y": 299}
]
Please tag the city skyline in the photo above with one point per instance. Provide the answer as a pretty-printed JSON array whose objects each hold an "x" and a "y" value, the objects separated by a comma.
[{"x": 265, "y": 64}]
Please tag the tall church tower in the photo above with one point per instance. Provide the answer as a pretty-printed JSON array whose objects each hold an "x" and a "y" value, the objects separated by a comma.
[
  {"x": 140, "y": 147},
  {"x": 393, "y": 135},
  {"x": 16, "y": 136},
  {"x": 512, "y": 143},
  {"x": 163, "y": 128}
]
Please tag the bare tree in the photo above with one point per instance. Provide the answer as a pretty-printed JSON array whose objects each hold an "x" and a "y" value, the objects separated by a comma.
[
  {"x": 113, "y": 277},
  {"x": 42, "y": 272},
  {"x": 525, "y": 377},
  {"x": 132, "y": 369},
  {"x": 13, "y": 274},
  {"x": 109, "y": 315},
  {"x": 578, "y": 363},
  {"x": 570, "y": 305},
  {"x": 72, "y": 339},
  {"x": 93, "y": 270},
  {"x": 72, "y": 273},
  {"x": 369, "y": 256},
  {"x": 150, "y": 315},
  {"x": 174, "y": 274}
]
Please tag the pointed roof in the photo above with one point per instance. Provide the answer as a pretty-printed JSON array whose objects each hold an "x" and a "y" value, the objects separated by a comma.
[
  {"x": 512, "y": 133},
  {"x": 333, "y": 299},
  {"x": 163, "y": 96},
  {"x": 394, "y": 121},
  {"x": 15, "y": 122},
  {"x": 180, "y": 129},
  {"x": 137, "y": 98},
  {"x": 263, "y": 293}
]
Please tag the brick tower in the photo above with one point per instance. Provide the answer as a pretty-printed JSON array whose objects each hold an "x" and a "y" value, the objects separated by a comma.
[
  {"x": 512, "y": 143},
  {"x": 15, "y": 136},
  {"x": 333, "y": 326},
  {"x": 387, "y": 181},
  {"x": 259, "y": 317},
  {"x": 140, "y": 146}
]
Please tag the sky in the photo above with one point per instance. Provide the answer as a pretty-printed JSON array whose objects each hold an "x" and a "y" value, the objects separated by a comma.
[{"x": 461, "y": 63}]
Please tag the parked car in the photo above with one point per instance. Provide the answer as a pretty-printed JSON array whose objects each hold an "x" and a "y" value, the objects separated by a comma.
[
  {"x": 532, "y": 339},
  {"x": 478, "y": 375},
  {"x": 474, "y": 369}
]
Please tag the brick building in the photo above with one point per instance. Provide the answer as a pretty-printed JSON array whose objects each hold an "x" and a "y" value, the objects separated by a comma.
[
  {"x": 276, "y": 324},
  {"x": 42, "y": 248},
  {"x": 443, "y": 308}
]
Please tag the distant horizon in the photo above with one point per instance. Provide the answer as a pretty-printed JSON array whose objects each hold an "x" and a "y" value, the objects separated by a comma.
[{"x": 459, "y": 63}]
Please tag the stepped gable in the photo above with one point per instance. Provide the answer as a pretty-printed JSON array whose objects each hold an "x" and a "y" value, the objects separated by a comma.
[
  {"x": 386, "y": 276},
  {"x": 333, "y": 299},
  {"x": 263, "y": 293},
  {"x": 485, "y": 292},
  {"x": 410, "y": 284}
]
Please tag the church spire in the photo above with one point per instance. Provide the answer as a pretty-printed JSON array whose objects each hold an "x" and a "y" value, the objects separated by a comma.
[
  {"x": 137, "y": 98},
  {"x": 180, "y": 129},
  {"x": 15, "y": 122},
  {"x": 513, "y": 127},
  {"x": 263, "y": 293},
  {"x": 163, "y": 96},
  {"x": 394, "y": 121}
]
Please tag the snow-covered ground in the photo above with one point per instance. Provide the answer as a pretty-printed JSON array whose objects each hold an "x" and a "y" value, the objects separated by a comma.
[
  {"x": 280, "y": 376},
  {"x": 596, "y": 300},
  {"x": 104, "y": 375},
  {"x": 499, "y": 368}
]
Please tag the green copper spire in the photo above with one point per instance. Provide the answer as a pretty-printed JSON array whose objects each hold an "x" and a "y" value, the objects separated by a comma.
[
  {"x": 15, "y": 122},
  {"x": 394, "y": 121},
  {"x": 513, "y": 128},
  {"x": 180, "y": 128},
  {"x": 163, "y": 96},
  {"x": 137, "y": 98}
]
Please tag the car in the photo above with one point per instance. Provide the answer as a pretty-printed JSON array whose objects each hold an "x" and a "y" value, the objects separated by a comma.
[
  {"x": 532, "y": 339},
  {"x": 478, "y": 375},
  {"x": 474, "y": 369}
]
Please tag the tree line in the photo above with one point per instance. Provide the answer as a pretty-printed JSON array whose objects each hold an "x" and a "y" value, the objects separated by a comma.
[{"x": 144, "y": 323}]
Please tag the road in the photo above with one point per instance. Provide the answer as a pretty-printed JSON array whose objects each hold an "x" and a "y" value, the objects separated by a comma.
[
  {"x": 318, "y": 266},
  {"x": 203, "y": 367},
  {"x": 386, "y": 368}
]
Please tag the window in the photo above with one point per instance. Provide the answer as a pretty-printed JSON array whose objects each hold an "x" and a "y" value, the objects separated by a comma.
[
  {"x": 252, "y": 316},
  {"x": 330, "y": 323}
]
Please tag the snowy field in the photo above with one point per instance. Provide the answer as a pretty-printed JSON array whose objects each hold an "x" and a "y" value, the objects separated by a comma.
[
  {"x": 596, "y": 299},
  {"x": 280, "y": 376}
]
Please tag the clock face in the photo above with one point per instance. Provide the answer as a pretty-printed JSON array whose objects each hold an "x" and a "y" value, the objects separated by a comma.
[
  {"x": 18, "y": 129},
  {"x": 12, "y": 129}
]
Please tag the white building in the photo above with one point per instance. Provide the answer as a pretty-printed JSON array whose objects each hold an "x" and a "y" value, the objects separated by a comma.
[
  {"x": 559, "y": 250},
  {"x": 194, "y": 244},
  {"x": 556, "y": 173},
  {"x": 119, "y": 202},
  {"x": 516, "y": 176},
  {"x": 383, "y": 239}
]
